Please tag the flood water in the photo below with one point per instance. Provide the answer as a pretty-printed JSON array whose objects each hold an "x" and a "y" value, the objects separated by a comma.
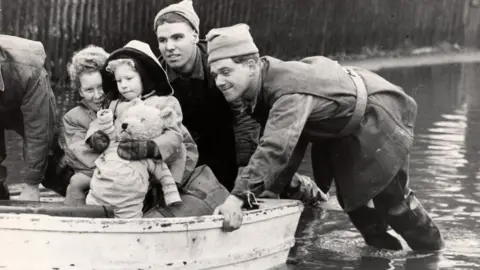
[{"x": 445, "y": 175}]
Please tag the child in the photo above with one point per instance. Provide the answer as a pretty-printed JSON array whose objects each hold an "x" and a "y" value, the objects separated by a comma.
[
  {"x": 138, "y": 74},
  {"x": 85, "y": 76}
]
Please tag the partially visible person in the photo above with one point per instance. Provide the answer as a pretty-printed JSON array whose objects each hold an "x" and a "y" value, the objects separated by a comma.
[
  {"x": 27, "y": 106},
  {"x": 223, "y": 144},
  {"x": 360, "y": 127},
  {"x": 133, "y": 72},
  {"x": 85, "y": 75}
]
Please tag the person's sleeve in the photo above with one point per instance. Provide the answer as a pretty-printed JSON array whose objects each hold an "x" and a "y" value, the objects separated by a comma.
[
  {"x": 284, "y": 126},
  {"x": 39, "y": 115},
  {"x": 75, "y": 136},
  {"x": 247, "y": 133}
]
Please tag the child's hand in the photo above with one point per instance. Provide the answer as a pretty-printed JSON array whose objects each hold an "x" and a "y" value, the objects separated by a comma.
[
  {"x": 105, "y": 121},
  {"x": 105, "y": 116}
]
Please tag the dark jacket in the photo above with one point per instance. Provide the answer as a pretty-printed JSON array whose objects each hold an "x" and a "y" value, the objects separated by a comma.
[
  {"x": 363, "y": 162},
  {"x": 210, "y": 120},
  {"x": 27, "y": 103}
]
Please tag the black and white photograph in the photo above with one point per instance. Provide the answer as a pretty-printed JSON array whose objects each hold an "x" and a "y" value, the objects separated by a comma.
[{"x": 239, "y": 134}]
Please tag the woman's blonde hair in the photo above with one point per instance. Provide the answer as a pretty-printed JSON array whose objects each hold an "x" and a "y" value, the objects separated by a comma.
[
  {"x": 90, "y": 59},
  {"x": 114, "y": 64}
]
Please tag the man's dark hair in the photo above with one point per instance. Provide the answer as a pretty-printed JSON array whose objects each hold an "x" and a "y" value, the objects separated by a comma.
[{"x": 172, "y": 18}]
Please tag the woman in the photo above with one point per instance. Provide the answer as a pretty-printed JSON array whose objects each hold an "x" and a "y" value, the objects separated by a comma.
[{"x": 85, "y": 75}]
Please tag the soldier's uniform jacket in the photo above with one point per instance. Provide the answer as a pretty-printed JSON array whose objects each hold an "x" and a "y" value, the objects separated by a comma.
[
  {"x": 315, "y": 100},
  {"x": 27, "y": 103}
]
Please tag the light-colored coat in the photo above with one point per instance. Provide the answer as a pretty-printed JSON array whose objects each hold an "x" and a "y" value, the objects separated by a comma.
[{"x": 78, "y": 155}]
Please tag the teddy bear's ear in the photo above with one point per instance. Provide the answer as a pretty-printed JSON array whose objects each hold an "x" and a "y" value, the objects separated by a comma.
[{"x": 167, "y": 115}]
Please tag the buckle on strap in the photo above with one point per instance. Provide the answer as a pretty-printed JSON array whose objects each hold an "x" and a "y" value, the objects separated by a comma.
[
  {"x": 360, "y": 103},
  {"x": 252, "y": 202}
]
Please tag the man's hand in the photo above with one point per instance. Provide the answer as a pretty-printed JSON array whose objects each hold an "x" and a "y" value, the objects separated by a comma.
[
  {"x": 306, "y": 190},
  {"x": 136, "y": 150},
  {"x": 231, "y": 210}
]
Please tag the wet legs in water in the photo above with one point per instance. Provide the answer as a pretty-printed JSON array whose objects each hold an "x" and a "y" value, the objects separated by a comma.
[
  {"x": 398, "y": 207},
  {"x": 407, "y": 217}
]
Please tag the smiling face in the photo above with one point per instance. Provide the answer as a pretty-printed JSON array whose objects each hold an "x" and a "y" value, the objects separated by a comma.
[
  {"x": 129, "y": 82},
  {"x": 177, "y": 44},
  {"x": 231, "y": 78},
  {"x": 91, "y": 89}
]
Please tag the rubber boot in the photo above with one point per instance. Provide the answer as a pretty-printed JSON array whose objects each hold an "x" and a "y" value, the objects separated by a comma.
[
  {"x": 373, "y": 228},
  {"x": 412, "y": 222}
]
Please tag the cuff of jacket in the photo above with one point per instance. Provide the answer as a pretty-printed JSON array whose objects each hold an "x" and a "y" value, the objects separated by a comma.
[
  {"x": 248, "y": 198},
  {"x": 241, "y": 194}
]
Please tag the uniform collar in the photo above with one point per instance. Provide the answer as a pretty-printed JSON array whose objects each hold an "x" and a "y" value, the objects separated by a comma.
[
  {"x": 251, "y": 104},
  {"x": 198, "y": 71}
]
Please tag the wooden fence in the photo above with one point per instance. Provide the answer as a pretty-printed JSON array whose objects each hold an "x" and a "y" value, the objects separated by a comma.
[{"x": 283, "y": 28}]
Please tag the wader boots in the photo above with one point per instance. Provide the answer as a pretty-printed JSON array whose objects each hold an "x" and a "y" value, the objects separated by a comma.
[
  {"x": 373, "y": 228},
  {"x": 411, "y": 221}
]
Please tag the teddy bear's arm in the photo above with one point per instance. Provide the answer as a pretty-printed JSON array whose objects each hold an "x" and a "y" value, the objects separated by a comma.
[{"x": 161, "y": 174}]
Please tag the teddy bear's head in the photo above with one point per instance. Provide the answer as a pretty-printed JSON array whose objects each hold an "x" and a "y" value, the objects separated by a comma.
[{"x": 143, "y": 122}]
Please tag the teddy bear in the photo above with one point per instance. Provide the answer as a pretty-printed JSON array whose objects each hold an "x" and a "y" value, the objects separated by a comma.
[{"x": 123, "y": 184}]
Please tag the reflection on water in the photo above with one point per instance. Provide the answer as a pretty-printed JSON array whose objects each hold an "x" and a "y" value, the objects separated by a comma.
[
  {"x": 445, "y": 170},
  {"x": 444, "y": 174}
]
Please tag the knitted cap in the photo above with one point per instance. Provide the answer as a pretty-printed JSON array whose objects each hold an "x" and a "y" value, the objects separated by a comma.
[
  {"x": 184, "y": 9},
  {"x": 231, "y": 41}
]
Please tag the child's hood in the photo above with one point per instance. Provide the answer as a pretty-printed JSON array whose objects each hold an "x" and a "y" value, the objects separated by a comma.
[{"x": 141, "y": 53}]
